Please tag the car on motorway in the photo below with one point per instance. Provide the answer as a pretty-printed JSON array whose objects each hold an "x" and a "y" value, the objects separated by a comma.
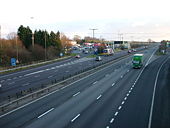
[
  {"x": 98, "y": 58},
  {"x": 77, "y": 56},
  {"x": 134, "y": 50},
  {"x": 86, "y": 52},
  {"x": 129, "y": 51}
]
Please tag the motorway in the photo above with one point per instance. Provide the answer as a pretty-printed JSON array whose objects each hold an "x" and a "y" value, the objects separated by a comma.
[
  {"x": 117, "y": 96},
  {"x": 16, "y": 82}
]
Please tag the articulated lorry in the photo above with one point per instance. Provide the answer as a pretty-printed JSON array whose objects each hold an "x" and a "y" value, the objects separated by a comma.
[{"x": 137, "y": 60}]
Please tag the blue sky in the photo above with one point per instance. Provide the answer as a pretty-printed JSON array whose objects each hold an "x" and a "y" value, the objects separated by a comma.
[{"x": 132, "y": 18}]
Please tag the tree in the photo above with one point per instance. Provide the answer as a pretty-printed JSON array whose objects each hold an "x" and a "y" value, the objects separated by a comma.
[{"x": 25, "y": 35}]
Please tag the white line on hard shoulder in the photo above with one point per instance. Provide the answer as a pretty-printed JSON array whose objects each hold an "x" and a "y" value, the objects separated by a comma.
[
  {"x": 153, "y": 95},
  {"x": 99, "y": 97},
  {"x": 76, "y": 94},
  {"x": 75, "y": 118},
  {"x": 45, "y": 113}
]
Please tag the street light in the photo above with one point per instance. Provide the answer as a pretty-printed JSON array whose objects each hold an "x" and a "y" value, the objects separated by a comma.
[
  {"x": 93, "y": 31},
  {"x": 32, "y": 34},
  {"x": 45, "y": 47}
]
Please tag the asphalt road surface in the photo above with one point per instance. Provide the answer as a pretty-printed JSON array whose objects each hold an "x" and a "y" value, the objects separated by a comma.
[
  {"x": 36, "y": 77},
  {"x": 117, "y": 96}
]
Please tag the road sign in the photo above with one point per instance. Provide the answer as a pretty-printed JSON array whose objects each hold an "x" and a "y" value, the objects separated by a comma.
[{"x": 13, "y": 62}]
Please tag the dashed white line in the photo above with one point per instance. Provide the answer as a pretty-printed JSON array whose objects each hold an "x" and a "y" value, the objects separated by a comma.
[
  {"x": 2, "y": 81},
  {"x": 111, "y": 121},
  {"x": 107, "y": 126},
  {"x": 53, "y": 68},
  {"x": 127, "y": 94},
  {"x": 131, "y": 88},
  {"x": 120, "y": 107},
  {"x": 130, "y": 91},
  {"x": 116, "y": 113},
  {"x": 113, "y": 84},
  {"x": 45, "y": 113},
  {"x": 75, "y": 118},
  {"x": 99, "y": 97},
  {"x": 26, "y": 84},
  {"x": 123, "y": 102},
  {"x": 121, "y": 76},
  {"x": 11, "y": 83},
  {"x": 125, "y": 98},
  {"x": 50, "y": 77},
  {"x": 76, "y": 94},
  {"x": 95, "y": 82},
  {"x": 37, "y": 76}
]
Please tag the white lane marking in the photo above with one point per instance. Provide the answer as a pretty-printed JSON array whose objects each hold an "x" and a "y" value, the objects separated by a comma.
[
  {"x": 131, "y": 88},
  {"x": 25, "y": 84},
  {"x": 120, "y": 107},
  {"x": 123, "y": 102},
  {"x": 37, "y": 76},
  {"x": 20, "y": 76},
  {"x": 75, "y": 118},
  {"x": 50, "y": 77},
  {"x": 111, "y": 121},
  {"x": 113, "y": 84},
  {"x": 125, "y": 98},
  {"x": 95, "y": 82},
  {"x": 53, "y": 68},
  {"x": 153, "y": 95},
  {"x": 99, "y": 97},
  {"x": 53, "y": 91},
  {"x": 2, "y": 81},
  {"x": 45, "y": 112},
  {"x": 121, "y": 76},
  {"x": 34, "y": 73},
  {"x": 107, "y": 126},
  {"x": 11, "y": 83},
  {"x": 76, "y": 94},
  {"x": 130, "y": 91},
  {"x": 116, "y": 113},
  {"x": 47, "y": 69},
  {"x": 127, "y": 94}
]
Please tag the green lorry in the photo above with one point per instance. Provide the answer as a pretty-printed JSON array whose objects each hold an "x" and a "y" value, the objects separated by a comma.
[{"x": 137, "y": 60}]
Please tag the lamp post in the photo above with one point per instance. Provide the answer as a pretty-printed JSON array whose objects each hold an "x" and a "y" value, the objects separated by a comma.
[
  {"x": 45, "y": 47},
  {"x": 93, "y": 32},
  {"x": 32, "y": 35}
]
